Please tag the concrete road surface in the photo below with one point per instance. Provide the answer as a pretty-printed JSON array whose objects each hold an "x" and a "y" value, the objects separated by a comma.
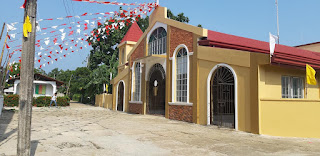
[{"x": 87, "y": 130}]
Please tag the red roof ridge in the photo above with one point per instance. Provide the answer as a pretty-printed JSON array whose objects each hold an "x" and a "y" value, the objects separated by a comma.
[
  {"x": 283, "y": 54},
  {"x": 134, "y": 33}
]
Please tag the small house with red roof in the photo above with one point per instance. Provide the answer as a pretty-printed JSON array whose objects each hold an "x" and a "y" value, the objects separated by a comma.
[{"x": 183, "y": 72}]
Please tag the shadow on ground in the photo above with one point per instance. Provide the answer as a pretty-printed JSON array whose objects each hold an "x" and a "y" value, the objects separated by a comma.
[
  {"x": 34, "y": 145},
  {"x": 5, "y": 120}
]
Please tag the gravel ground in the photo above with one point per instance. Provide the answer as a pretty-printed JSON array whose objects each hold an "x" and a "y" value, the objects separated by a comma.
[{"x": 87, "y": 130}]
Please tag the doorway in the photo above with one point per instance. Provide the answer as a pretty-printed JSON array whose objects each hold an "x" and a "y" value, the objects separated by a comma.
[
  {"x": 157, "y": 86},
  {"x": 120, "y": 99}
]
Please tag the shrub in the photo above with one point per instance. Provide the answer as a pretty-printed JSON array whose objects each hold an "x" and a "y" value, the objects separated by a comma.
[
  {"x": 11, "y": 100},
  {"x": 63, "y": 101},
  {"x": 41, "y": 101},
  {"x": 76, "y": 97}
]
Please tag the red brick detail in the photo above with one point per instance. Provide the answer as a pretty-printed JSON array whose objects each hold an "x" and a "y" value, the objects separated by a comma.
[
  {"x": 182, "y": 113},
  {"x": 179, "y": 36},
  {"x": 139, "y": 52},
  {"x": 135, "y": 108}
]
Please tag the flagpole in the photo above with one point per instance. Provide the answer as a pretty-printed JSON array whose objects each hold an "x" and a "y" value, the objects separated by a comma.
[
  {"x": 278, "y": 22},
  {"x": 4, "y": 45}
]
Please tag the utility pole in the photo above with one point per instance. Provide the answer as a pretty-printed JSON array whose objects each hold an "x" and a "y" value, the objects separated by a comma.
[
  {"x": 4, "y": 46},
  {"x": 69, "y": 84},
  {"x": 278, "y": 22},
  {"x": 4, "y": 24},
  {"x": 26, "y": 84}
]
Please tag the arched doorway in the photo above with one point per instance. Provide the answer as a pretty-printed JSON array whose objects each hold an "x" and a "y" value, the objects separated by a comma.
[
  {"x": 120, "y": 98},
  {"x": 157, "y": 86},
  {"x": 222, "y": 98}
]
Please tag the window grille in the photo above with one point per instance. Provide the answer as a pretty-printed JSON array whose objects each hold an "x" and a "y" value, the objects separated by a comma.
[
  {"x": 158, "y": 42},
  {"x": 292, "y": 87},
  {"x": 181, "y": 76},
  {"x": 137, "y": 82}
]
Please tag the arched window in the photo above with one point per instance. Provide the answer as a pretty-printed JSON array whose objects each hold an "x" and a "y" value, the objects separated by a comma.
[
  {"x": 158, "y": 42},
  {"x": 137, "y": 77},
  {"x": 182, "y": 75}
]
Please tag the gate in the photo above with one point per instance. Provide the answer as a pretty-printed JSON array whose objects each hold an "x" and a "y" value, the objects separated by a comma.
[{"x": 222, "y": 97}]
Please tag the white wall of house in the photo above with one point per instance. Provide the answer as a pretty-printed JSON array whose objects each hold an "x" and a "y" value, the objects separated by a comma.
[{"x": 51, "y": 87}]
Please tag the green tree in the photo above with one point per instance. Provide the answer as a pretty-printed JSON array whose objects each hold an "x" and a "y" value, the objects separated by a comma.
[{"x": 180, "y": 17}]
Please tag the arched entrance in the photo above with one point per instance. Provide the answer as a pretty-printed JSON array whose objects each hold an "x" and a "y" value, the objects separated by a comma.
[
  {"x": 120, "y": 96},
  {"x": 222, "y": 104},
  {"x": 157, "y": 86}
]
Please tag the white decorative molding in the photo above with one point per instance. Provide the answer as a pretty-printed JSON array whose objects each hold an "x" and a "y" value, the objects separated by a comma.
[
  {"x": 235, "y": 92},
  {"x": 136, "y": 102},
  {"x": 174, "y": 57},
  {"x": 180, "y": 104},
  {"x": 157, "y": 25}
]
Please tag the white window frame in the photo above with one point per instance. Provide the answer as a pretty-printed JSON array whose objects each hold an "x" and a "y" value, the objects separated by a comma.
[
  {"x": 174, "y": 85},
  {"x": 158, "y": 46},
  {"x": 133, "y": 82},
  {"x": 289, "y": 88}
]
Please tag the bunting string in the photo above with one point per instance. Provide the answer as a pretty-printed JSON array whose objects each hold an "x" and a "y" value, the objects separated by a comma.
[{"x": 66, "y": 39}]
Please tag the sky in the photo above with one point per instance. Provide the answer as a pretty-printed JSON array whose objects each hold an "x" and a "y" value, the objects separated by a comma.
[{"x": 298, "y": 19}]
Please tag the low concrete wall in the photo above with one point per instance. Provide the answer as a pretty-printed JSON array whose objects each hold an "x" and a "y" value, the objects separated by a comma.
[{"x": 104, "y": 100}]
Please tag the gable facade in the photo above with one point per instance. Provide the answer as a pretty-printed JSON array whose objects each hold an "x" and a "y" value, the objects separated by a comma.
[{"x": 209, "y": 79}]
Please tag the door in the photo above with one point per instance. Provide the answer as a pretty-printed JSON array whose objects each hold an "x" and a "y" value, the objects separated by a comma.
[
  {"x": 157, "y": 83},
  {"x": 120, "y": 97},
  {"x": 222, "y": 98}
]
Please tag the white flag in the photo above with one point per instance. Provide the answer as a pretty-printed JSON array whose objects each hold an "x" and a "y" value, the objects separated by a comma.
[
  {"x": 63, "y": 36},
  {"x": 61, "y": 30},
  {"x": 46, "y": 42},
  {"x": 13, "y": 35},
  {"x": 10, "y": 27},
  {"x": 272, "y": 43},
  {"x": 38, "y": 29}
]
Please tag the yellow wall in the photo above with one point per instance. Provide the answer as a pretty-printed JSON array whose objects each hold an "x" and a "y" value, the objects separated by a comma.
[
  {"x": 104, "y": 100},
  {"x": 123, "y": 76},
  {"x": 311, "y": 47},
  {"x": 287, "y": 117},
  {"x": 245, "y": 66}
]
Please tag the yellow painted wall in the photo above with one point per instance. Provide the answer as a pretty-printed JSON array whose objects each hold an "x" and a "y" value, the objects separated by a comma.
[
  {"x": 287, "y": 117},
  {"x": 311, "y": 47},
  {"x": 98, "y": 101},
  {"x": 104, "y": 100},
  {"x": 123, "y": 76},
  {"x": 245, "y": 66}
]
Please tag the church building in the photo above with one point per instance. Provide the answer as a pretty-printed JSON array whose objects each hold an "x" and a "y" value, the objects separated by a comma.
[{"x": 187, "y": 73}]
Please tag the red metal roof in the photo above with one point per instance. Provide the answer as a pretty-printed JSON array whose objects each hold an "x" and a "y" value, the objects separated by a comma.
[
  {"x": 283, "y": 55},
  {"x": 134, "y": 33}
]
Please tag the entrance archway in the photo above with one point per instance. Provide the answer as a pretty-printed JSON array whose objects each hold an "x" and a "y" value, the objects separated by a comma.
[
  {"x": 120, "y": 96},
  {"x": 222, "y": 97},
  {"x": 157, "y": 86}
]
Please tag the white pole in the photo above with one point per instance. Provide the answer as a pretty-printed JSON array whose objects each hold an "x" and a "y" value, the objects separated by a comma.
[
  {"x": 278, "y": 22},
  {"x": 158, "y": 2}
]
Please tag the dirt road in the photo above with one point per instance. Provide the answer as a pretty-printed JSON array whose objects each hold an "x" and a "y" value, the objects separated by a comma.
[{"x": 86, "y": 130}]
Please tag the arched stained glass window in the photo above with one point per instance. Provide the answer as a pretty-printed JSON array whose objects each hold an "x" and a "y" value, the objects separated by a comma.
[
  {"x": 158, "y": 42},
  {"x": 182, "y": 76},
  {"x": 137, "y": 77}
]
